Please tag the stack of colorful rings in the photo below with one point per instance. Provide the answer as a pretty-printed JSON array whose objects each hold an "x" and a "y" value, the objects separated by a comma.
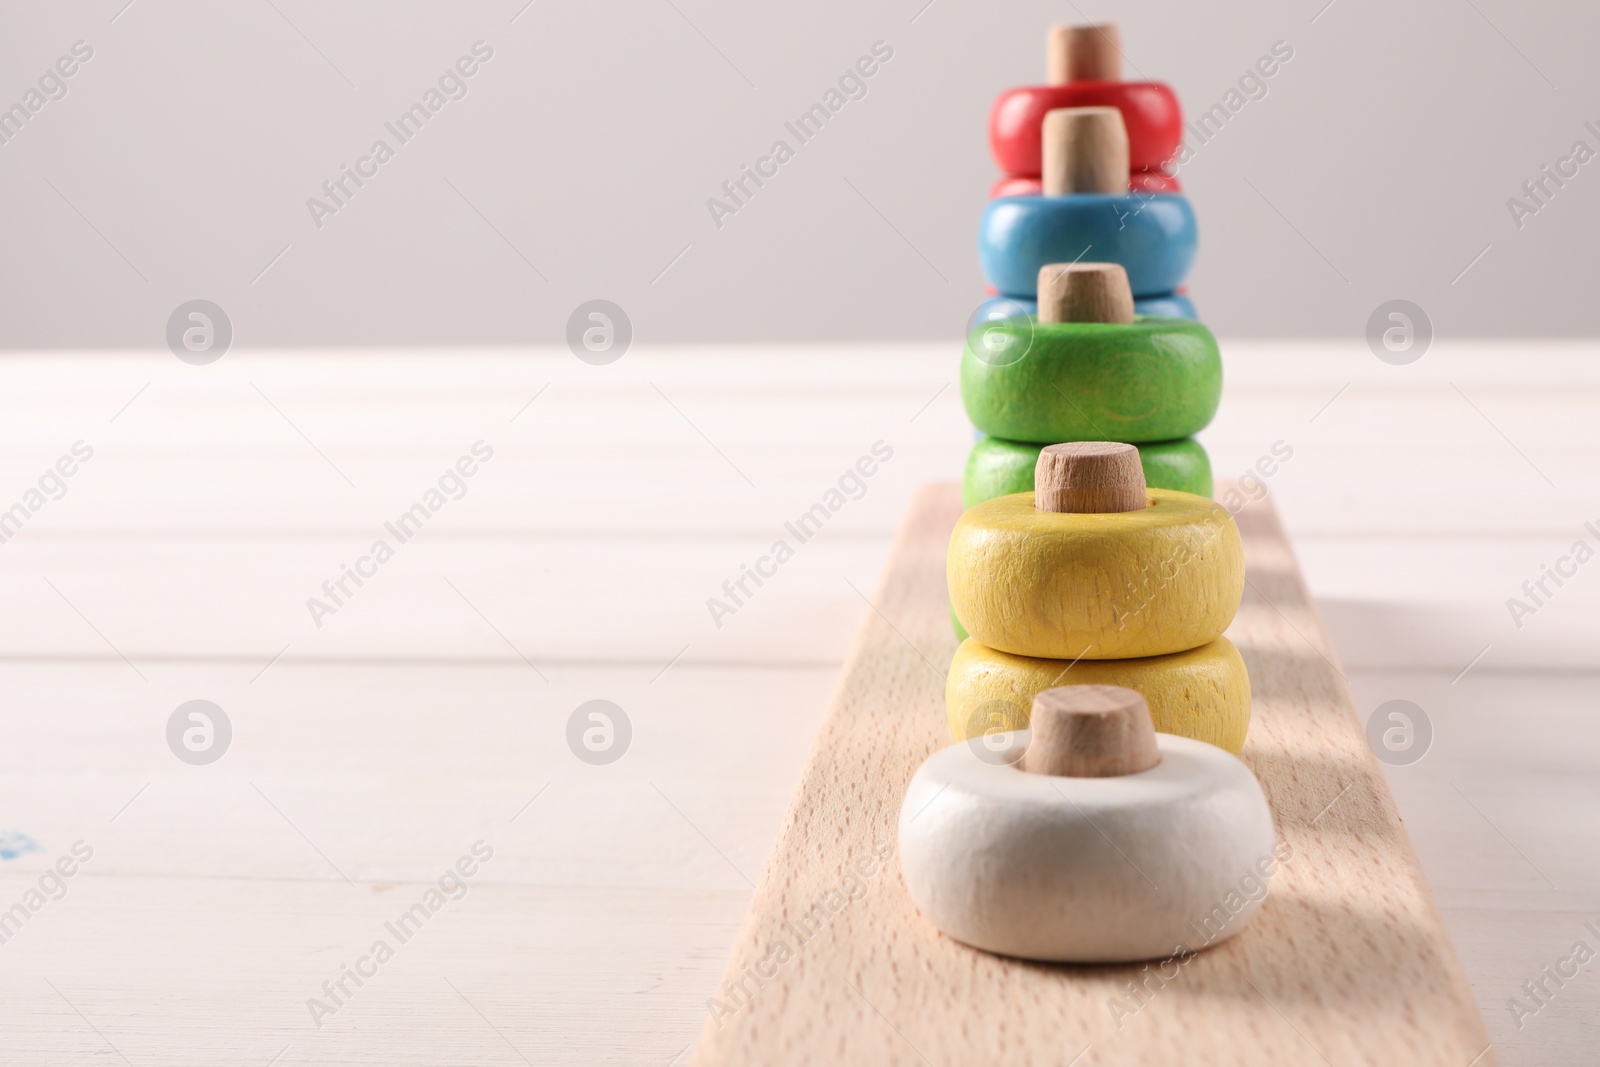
[
  {"x": 1030, "y": 378},
  {"x": 1095, "y": 579},
  {"x": 1137, "y": 218},
  {"x": 1090, "y": 560}
]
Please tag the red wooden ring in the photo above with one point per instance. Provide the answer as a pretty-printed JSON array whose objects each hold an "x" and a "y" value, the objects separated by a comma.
[
  {"x": 1140, "y": 181},
  {"x": 1149, "y": 109}
]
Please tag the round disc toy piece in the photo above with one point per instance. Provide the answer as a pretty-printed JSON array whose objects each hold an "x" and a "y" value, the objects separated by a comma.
[
  {"x": 1092, "y": 565},
  {"x": 1085, "y": 70},
  {"x": 1086, "y": 204},
  {"x": 1104, "y": 843},
  {"x": 996, "y": 467},
  {"x": 1149, "y": 110},
  {"x": 1154, "y": 238},
  {"x": 1203, "y": 693},
  {"x": 1055, "y": 378}
]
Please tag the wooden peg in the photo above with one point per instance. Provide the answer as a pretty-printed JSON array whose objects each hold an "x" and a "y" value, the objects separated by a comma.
[
  {"x": 1089, "y": 477},
  {"x": 1084, "y": 150},
  {"x": 1084, "y": 292},
  {"x": 1090, "y": 731},
  {"x": 1084, "y": 53}
]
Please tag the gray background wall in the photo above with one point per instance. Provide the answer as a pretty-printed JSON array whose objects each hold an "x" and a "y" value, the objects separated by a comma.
[{"x": 179, "y": 163}]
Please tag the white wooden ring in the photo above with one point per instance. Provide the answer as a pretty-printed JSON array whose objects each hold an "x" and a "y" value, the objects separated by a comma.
[{"x": 1087, "y": 870}]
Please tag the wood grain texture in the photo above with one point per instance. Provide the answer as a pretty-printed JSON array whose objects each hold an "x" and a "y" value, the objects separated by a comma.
[
  {"x": 1083, "y": 53},
  {"x": 1085, "y": 150},
  {"x": 1084, "y": 292},
  {"x": 1347, "y": 962},
  {"x": 1089, "y": 476},
  {"x": 1090, "y": 731}
]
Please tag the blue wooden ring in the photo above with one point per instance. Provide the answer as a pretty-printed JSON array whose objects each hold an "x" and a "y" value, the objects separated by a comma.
[
  {"x": 1153, "y": 237},
  {"x": 1165, "y": 306}
]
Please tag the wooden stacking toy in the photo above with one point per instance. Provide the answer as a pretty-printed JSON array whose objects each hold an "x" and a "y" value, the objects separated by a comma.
[
  {"x": 1093, "y": 810},
  {"x": 1103, "y": 843},
  {"x": 1074, "y": 374},
  {"x": 1095, "y": 577},
  {"x": 1085, "y": 206},
  {"x": 1102, "y": 558},
  {"x": 1085, "y": 68}
]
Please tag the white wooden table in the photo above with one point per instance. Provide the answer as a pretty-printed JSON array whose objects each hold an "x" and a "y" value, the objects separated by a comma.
[{"x": 430, "y": 710}]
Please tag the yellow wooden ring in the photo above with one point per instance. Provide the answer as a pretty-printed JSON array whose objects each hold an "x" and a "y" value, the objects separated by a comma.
[
  {"x": 1203, "y": 693},
  {"x": 1096, "y": 586}
]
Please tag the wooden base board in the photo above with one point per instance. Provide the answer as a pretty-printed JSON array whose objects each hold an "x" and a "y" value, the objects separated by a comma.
[{"x": 1347, "y": 962}]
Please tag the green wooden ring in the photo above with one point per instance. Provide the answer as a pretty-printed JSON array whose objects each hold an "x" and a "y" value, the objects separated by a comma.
[
  {"x": 955, "y": 624},
  {"x": 1151, "y": 380},
  {"x": 997, "y": 467}
]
